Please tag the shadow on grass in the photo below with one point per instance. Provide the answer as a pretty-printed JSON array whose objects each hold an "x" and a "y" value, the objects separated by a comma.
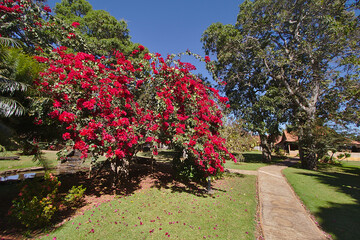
[{"x": 341, "y": 220}]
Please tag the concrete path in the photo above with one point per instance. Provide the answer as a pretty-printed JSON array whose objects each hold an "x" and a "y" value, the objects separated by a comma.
[{"x": 281, "y": 214}]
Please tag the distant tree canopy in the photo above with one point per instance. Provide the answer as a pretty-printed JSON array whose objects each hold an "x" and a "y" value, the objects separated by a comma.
[
  {"x": 102, "y": 32},
  {"x": 304, "y": 54},
  {"x": 237, "y": 138}
]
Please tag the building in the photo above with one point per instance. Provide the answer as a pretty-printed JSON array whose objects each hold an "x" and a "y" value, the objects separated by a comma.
[{"x": 288, "y": 142}]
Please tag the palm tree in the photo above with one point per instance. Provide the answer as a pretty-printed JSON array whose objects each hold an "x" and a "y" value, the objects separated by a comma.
[{"x": 15, "y": 71}]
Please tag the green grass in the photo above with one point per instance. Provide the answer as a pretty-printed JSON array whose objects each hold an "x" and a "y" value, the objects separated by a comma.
[
  {"x": 172, "y": 213},
  {"x": 332, "y": 195},
  {"x": 244, "y": 165},
  {"x": 26, "y": 161},
  {"x": 252, "y": 161}
]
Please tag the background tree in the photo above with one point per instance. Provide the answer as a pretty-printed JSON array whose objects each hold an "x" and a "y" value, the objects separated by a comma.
[
  {"x": 298, "y": 48},
  {"x": 33, "y": 26},
  {"x": 237, "y": 138},
  {"x": 259, "y": 104},
  {"x": 102, "y": 32}
]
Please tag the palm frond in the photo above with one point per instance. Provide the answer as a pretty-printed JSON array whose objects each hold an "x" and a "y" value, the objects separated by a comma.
[
  {"x": 9, "y": 42},
  {"x": 10, "y": 107},
  {"x": 7, "y": 85}
]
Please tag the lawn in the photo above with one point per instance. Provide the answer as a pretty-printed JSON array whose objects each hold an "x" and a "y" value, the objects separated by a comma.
[
  {"x": 26, "y": 161},
  {"x": 171, "y": 213},
  {"x": 252, "y": 161},
  {"x": 332, "y": 195}
]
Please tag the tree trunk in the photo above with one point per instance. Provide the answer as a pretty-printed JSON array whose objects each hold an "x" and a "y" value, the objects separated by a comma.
[
  {"x": 266, "y": 148},
  {"x": 307, "y": 149},
  {"x": 120, "y": 170}
]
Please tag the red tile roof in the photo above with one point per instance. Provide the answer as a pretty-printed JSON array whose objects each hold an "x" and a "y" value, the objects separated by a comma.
[{"x": 290, "y": 137}]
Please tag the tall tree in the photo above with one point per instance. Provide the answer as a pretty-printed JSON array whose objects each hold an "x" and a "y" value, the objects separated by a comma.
[
  {"x": 31, "y": 23},
  {"x": 102, "y": 32},
  {"x": 252, "y": 98},
  {"x": 299, "y": 47}
]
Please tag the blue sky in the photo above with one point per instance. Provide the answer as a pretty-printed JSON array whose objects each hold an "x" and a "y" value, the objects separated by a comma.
[{"x": 169, "y": 26}]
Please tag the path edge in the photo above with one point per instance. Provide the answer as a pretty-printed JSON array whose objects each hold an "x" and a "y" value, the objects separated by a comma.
[{"x": 309, "y": 214}]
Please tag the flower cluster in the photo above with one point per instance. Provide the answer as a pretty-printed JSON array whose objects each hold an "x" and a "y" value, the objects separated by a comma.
[
  {"x": 9, "y": 7},
  {"x": 112, "y": 106}
]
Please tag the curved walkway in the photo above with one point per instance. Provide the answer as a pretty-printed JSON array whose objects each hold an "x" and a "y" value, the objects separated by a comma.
[{"x": 282, "y": 215}]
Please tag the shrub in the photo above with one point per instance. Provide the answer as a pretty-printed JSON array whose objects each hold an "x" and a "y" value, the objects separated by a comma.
[
  {"x": 37, "y": 202},
  {"x": 240, "y": 157},
  {"x": 75, "y": 196},
  {"x": 280, "y": 152}
]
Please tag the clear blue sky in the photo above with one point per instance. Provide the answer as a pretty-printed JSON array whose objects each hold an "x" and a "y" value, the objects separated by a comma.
[{"x": 169, "y": 26}]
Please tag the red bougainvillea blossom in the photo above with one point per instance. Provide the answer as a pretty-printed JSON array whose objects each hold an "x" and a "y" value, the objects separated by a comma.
[
  {"x": 112, "y": 106},
  {"x": 10, "y": 6},
  {"x": 75, "y": 24}
]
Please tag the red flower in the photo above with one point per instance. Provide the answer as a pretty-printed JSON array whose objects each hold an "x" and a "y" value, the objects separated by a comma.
[
  {"x": 41, "y": 59},
  {"x": 141, "y": 47},
  {"x": 47, "y": 8},
  {"x": 75, "y": 24},
  {"x": 207, "y": 59},
  {"x": 67, "y": 117},
  {"x": 119, "y": 153},
  {"x": 38, "y": 121},
  {"x": 155, "y": 152},
  {"x": 56, "y": 104},
  {"x": 147, "y": 56},
  {"x": 66, "y": 136},
  {"x": 71, "y": 35}
]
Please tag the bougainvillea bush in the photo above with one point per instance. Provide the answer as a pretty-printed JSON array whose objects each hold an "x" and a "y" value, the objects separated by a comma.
[{"x": 112, "y": 106}]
